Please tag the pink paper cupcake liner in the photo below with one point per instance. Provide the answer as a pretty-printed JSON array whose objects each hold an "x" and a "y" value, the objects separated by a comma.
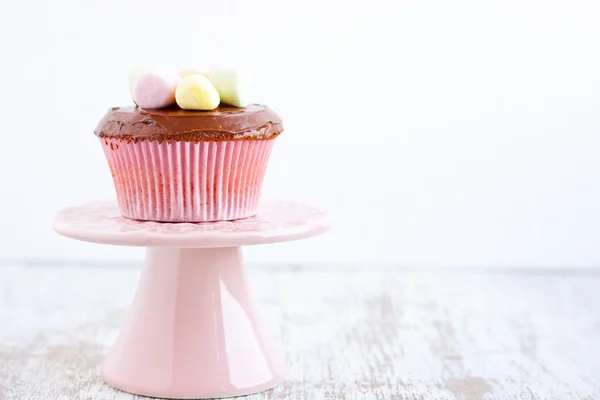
[{"x": 182, "y": 181}]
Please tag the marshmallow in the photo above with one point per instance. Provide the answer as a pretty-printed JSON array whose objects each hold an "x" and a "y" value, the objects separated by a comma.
[
  {"x": 195, "y": 92},
  {"x": 234, "y": 86},
  {"x": 183, "y": 72},
  {"x": 155, "y": 89},
  {"x": 134, "y": 73}
]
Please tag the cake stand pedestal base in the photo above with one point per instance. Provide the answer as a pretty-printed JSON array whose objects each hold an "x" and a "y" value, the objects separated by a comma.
[{"x": 193, "y": 330}]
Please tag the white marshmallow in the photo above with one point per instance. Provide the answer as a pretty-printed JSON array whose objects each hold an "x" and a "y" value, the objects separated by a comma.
[{"x": 234, "y": 86}]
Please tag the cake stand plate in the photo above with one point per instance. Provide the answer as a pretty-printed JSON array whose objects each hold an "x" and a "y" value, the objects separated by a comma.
[{"x": 193, "y": 330}]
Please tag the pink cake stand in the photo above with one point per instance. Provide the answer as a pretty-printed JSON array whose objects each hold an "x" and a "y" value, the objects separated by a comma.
[{"x": 193, "y": 330}]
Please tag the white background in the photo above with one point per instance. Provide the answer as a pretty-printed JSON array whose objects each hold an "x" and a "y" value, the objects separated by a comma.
[{"x": 438, "y": 132}]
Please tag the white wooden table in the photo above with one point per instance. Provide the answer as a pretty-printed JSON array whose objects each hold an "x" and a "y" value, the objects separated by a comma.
[{"x": 348, "y": 333}]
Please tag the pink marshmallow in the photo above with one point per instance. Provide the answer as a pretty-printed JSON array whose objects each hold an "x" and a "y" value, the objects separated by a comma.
[{"x": 155, "y": 89}]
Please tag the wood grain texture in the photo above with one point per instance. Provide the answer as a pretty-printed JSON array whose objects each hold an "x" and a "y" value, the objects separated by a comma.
[{"x": 347, "y": 335}]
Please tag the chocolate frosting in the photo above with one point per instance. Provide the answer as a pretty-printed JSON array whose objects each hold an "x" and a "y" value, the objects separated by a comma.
[{"x": 223, "y": 123}]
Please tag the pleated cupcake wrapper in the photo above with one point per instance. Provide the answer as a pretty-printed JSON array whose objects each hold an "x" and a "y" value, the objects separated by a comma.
[{"x": 181, "y": 181}]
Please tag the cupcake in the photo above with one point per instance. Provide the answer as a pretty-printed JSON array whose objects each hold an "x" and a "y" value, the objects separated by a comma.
[{"x": 192, "y": 161}]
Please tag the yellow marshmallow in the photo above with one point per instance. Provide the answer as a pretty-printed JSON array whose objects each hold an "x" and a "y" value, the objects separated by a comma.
[
  {"x": 234, "y": 86},
  {"x": 195, "y": 92}
]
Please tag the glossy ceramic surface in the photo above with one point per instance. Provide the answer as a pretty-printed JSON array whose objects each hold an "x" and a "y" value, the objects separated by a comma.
[
  {"x": 276, "y": 221},
  {"x": 193, "y": 330}
]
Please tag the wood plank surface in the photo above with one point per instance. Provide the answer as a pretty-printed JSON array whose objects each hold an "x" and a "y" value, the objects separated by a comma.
[{"x": 348, "y": 334}]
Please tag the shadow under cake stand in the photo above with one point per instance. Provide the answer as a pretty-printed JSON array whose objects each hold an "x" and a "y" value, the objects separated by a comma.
[{"x": 193, "y": 330}]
